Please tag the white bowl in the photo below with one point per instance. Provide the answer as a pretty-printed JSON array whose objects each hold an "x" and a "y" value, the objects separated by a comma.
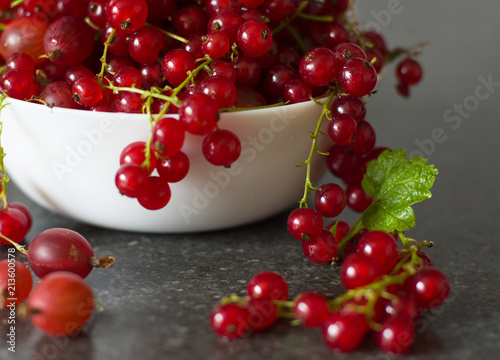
[{"x": 66, "y": 160}]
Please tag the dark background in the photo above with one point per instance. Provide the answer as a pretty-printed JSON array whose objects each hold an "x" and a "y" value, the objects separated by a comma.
[{"x": 158, "y": 296}]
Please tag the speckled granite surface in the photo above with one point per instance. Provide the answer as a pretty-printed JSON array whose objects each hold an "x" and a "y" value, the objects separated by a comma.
[{"x": 157, "y": 298}]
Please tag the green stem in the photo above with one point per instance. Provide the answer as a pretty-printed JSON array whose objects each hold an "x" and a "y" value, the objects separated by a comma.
[
  {"x": 314, "y": 148},
  {"x": 105, "y": 54},
  {"x": 145, "y": 93},
  {"x": 18, "y": 247},
  {"x": 235, "y": 109},
  {"x": 16, "y": 2},
  {"x": 324, "y": 18},
  {"x": 170, "y": 34},
  {"x": 355, "y": 229},
  {"x": 404, "y": 240},
  {"x": 285, "y": 23}
]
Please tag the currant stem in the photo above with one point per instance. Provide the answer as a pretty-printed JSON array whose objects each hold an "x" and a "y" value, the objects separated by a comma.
[
  {"x": 18, "y": 247},
  {"x": 404, "y": 240},
  {"x": 308, "y": 184},
  {"x": 284, "y": 308},
  {"x": 297, "y": 12},
  {"x": 325, "y": 18},
  {"x": 14, "y": 3},
  {"x": 356, "y": 228},
  {"x": 105, "y": 54},
  {"x": 143, "y": 92},
  {"x": 170, "y": 34},
  {"x": 235, "y": 109}
]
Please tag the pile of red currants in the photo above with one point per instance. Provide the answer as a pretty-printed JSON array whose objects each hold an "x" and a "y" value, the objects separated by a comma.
[
  {"x": 386, "y": 292},
  {"x": 186, "y": 62},
  {"x": 183, "y": 63}
]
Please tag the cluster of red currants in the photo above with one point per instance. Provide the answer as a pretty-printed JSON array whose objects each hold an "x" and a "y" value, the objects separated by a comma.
[
  {"x": 62, "y": 303},
  {"x": 387, "y": 291},
  {"x": 187, "y": 61}
]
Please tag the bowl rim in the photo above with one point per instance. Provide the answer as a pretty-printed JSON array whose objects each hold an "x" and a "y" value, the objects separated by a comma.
[{"x": 62, "y": 110}]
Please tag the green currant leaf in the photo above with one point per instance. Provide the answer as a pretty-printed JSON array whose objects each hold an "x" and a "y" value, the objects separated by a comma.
[{"x": 395, "y": 183}]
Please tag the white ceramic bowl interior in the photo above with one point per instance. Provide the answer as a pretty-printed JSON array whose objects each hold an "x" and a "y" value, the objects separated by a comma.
[{"x": 66, "y": 161}]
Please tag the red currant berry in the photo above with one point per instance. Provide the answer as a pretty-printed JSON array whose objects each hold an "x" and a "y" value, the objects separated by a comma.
[
  {"x": 127, "y": 76},
  {"x": 268, "y": 285},
  {"x": 348, "y": 105},
  {"x": 132, "y": 180},
  {"x": 227, "y": 21},
  {"x": 158, "y": 194},
  {"x": 17, "y": 84},
  {"x": 136, "y": 153},
  {"x": 403, "y": 90},
  {"x": 145, "y": 44},
  {"x": 311, "y": 309},
  {"x": 167, "y": 137},
  {"x": 127, "y": 102},
  {"x": 262, "y": 314},
  {"x": 254, "y": 38},
  {"x": 396, "y": 335},
  {"x": 126, "y": 15},
  {"x": 14, "y": 273},
  {"x": 322, "y": 248},
  {"x": 364, "y": 140},
  {"x": 330, "y": 200},
  {"x": 24, "y": 209},
  {"x": 75, "y": 72},
  {"x": 357, "y": 77},
  {"x": 190, "y": 20},
  {"x": 230, "y": 320},
  {"x": 318, "y": 67},
  {"x": 376, "y": 40},
  {"x": 97, "y": 13},
  {"x": 13, "y": 225},
  {"x": 357, "y": 199},
  {"x": 173, "y": 168},
  {"x": 348, "y": 50},
  {"x": 381, "y": 247},
  {"x": 247, "y": 70},
  {"x": 21, "y": 61},
  {"x": 430, "y": 287},
  {"x": 342, "y": 332},
  {"x": 341, "y": 229},
  {"x": 215, "y": 44},
  {"x": 223, "y": 68},
  {"x": 199, "y": 114},
  {"x": 342, "y": 129},
  {"x": 175, "y": 65},
  {"x": 409, "y": 71},
  {"x": 343, "y": 163},
  {"x": 359, "y": 270},
  {"x": 87, "y": 91},
  {"x": 221, "y": 89},
  {"x": 403, "y": 306},
  {"x": 221, "y": 147},
  {"x": 305, "y": 224},
  {"x": 297, "y": 90}
]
